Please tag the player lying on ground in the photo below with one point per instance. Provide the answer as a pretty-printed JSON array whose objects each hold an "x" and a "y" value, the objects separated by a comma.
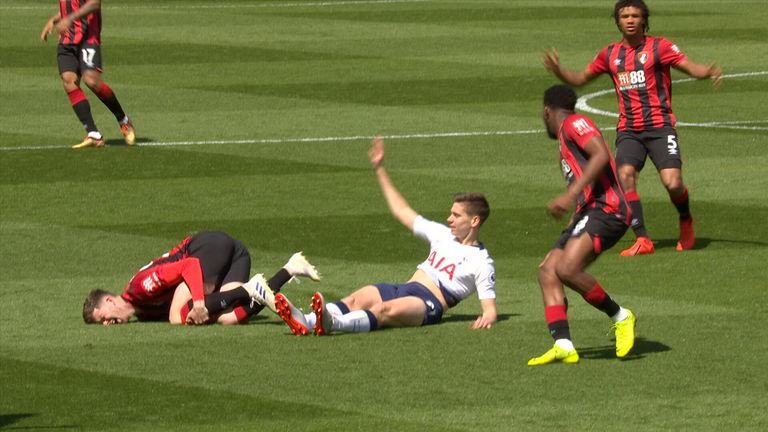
[
  {"x": 457, "y": 266},
  {"x": 200, "y": 281},
  {"x": 600, "y": 219}
]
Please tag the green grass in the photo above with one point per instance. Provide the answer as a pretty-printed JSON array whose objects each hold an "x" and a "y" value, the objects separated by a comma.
[{"x": 249, "y": 70}]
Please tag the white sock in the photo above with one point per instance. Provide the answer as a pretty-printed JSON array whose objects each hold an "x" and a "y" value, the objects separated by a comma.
[
  {"x": 621, "y": 315},
  {"x": 95, "y": 135},
  {"x": 353, "y": 322},
  {"x": 311, "y": 319},
  {"x": 333, "y": 309},
  {"x": 565, "y": 344}
]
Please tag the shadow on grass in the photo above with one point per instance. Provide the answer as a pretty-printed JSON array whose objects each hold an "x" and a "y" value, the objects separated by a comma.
[
  {"x": 10, "y": 419},
  {"x": 118, "y": 142},
  {"x": 470, "y": 317},
  {"x": 704, "y": 242},
  {"x": 642, "y": 348}
]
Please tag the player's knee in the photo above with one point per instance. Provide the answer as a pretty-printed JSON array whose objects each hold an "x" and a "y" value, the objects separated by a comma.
[
  {"x": 547, "y": 273},
  {"x": 567, "y": 270},
  {"x": 92, "y": 81},
  {"x": 674, "y": 186}
]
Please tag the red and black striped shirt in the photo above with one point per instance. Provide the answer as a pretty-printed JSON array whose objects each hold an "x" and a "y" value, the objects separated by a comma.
[
  {"x": 151, "y": 289},
  {"x": 84, "y": 30},
  {"x": 605, "y": 192},
  {"x": 642, "y": 79}
]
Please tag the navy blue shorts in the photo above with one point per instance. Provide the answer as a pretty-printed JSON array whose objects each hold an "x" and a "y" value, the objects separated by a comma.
[{"x": 434, "y": 312}]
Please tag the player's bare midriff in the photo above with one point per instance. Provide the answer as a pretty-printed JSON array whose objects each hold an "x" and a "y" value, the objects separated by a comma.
[{"x": 421, "y": 277}]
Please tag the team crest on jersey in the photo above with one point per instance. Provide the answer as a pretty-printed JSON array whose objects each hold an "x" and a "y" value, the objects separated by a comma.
[{"x": 643, "y": 57}]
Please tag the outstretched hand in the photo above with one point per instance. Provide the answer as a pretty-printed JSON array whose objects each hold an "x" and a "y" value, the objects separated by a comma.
[
  {"x": 716, "y": 75},
  {"x": 481, "y": 323},
  {"x": 376, "y": 152},
  {"x": 551, "y": 61}
]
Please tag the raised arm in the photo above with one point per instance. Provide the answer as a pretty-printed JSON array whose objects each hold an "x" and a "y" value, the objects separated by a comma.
[
  {"x": 48, "y": 28},
  {"x": 551, "y": 61},
  {"x": 701, "y": 71},
  {"x": 397, "y": 204}
]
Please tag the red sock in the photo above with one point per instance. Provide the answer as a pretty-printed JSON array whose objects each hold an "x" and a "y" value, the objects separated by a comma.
[
  {"x": 555, "y": 313},
  {"x": 241, "y": 314},
  {"x": 184, "y": 312},
  {"x": 76, "y": 96},
  {"x": 103, "y": 91},
  {"x": 595, "y": 296}
]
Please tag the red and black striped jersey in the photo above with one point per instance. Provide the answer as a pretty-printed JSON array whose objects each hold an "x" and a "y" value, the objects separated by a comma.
[
  {"x": 84, "y": 30},
  {"x": 605, "y": 192},
  {"x": 151, "y": 289},
  {"x": 641, "y": 76}
]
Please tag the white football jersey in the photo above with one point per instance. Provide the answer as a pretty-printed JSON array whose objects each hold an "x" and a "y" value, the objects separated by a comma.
[{"x": 459, "y": 270}]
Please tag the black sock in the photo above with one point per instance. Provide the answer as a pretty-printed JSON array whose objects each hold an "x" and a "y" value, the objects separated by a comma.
[
  {"x": 279, "y": 279},
  {"x": 560, "y": 330},
  {"x": 220, "y": 301},
  {"x": 276, "y": 282},
  {"x": 83, "y": 112},
  {"x": 682, "y": 205},
  {"x": 638, "y": 220}
]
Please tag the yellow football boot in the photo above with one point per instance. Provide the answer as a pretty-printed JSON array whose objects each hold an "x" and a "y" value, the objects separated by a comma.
[
  {"x": 625, "y": 334},
  {"x": 555, "y": 354}
]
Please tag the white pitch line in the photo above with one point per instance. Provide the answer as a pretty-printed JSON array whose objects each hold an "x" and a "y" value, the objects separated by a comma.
[
  {"x": 304, "y": 139},
  {"x": 237, "y": 6},
  {"x": 582, "y": 105}
]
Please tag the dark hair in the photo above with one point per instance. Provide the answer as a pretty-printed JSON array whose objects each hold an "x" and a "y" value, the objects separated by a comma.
[
  {"x": 560, "y": 96},
  {"x": 475, "y": 203},
  {"x": 640, "y": 4},
  {"x": 92, "y": 302}
]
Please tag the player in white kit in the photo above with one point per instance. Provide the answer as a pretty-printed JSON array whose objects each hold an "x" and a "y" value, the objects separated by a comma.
[{"x": 457, "y": 266}]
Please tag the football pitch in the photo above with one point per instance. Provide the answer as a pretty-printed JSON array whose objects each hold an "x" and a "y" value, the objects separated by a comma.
[{"x": 254, "y": 117}]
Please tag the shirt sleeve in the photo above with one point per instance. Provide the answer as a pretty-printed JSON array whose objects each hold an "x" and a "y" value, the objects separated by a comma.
[
  {"x": 580, "y": 129},
  {"x": 154, "y": 282},
  {"x": 486, "y": 283},
  {"x": 669, "y": 53},
  {"x": 599, "y": 65},
  {"x": 430, "y": 231}
]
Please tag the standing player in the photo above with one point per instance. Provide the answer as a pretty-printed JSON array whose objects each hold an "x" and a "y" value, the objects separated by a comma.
[
  {"x": 639, "y": 67},
  {"x": 202, "y": 280},
  {"x": 600, "y": 219},
  {"x": 457, "y": 266},
  {"x": 79, "y": 56}
]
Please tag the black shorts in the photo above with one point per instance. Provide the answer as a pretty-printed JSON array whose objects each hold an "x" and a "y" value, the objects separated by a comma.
[
  {"x": 222, "y": 258},
  {"x": 604, "y": 229},
  {"x": 660, "y": 144},
  {"x": 77, "y": 58}
]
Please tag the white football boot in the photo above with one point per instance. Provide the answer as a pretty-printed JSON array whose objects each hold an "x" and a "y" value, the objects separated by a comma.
[
  {"x": 298, "y": 265},
  {"x": 260, "y": 292}
]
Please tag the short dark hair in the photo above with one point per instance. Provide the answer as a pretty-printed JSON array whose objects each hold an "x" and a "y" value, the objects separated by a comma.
[
  {"x": 92, "y": 302},
  {"x": 475, "y": 203},
  {"x": 560, "y": 96},
  {"x": 640, "y": 4}
]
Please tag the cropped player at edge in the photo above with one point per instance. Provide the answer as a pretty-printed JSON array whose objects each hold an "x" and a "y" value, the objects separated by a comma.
[
  {"x": 78, "y": 23},
  {"x": 457, "y": 266},
  {"x": 639, "y": 66},
  {"x": 600, "y": 219}
]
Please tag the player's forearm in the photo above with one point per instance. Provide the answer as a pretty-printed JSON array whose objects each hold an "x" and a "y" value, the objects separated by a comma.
[
  {"x": 398, "y": 206},
  {"x": 573, "y": 78},
  {"x": 90, "y": 7}
]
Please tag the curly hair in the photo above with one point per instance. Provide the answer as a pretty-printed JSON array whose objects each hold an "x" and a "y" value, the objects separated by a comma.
[{"x": 640, "y": 4}]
